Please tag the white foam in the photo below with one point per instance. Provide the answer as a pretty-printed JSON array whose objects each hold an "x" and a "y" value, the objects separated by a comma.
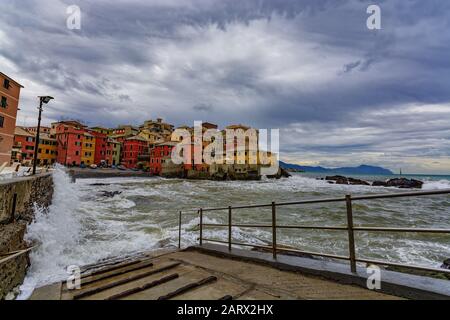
[{"x": 436, "y": 185}]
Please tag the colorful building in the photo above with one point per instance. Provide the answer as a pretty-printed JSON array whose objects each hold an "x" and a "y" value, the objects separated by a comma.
[
  {"x": 103, "y": 130},
  {"x": 69, "y": 137},
  {"x": 23, "y": 147},
  {"x": 101, "y": 140},
  {"x": 164, "y": 130},
  {"x": 88, "y": 149},
  {"x": 158, "y": 155},
  {"x": 47, "y": 150},
  {"x": 114, "y": 158},
  {"x": 43, "y": 129},
  {"x": 9, "y": 105},
  {"x": 133, "y": 147}
]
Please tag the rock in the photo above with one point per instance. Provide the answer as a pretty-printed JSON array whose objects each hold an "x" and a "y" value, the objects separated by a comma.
[
  {"x": 284, "y": 173},
  {"x": 404, "y": 183},
  {"x": 337, "y": 179},
  {"x": 358, "y": 182},
  {"x": 446, "y": 264},
  {"x": 110, "y": 194},
  {"x": 379, "y": 184}
]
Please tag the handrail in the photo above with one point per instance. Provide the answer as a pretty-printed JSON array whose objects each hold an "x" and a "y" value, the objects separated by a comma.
[
  {"x": 349, "y": 227},
  {"x": 12, "y": 255},
  {"x": 325, "y": 200}
]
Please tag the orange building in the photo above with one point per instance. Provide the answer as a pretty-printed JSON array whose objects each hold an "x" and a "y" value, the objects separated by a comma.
[{"x": 9, "y": 105}]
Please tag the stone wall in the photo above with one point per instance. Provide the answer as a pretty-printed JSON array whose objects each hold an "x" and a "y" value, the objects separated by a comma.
[{"x": 13, "y": 223}]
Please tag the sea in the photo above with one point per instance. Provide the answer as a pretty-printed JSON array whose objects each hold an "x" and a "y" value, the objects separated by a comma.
[{"x": 83, "y": 226}]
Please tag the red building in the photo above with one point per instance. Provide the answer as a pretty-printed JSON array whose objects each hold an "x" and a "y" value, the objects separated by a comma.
[
  {"x": 160, "y": 151},
  {"x": 23, "y": 147},
  {"x": 101, "y": 146},
  {"x": 69, "y": 135},
  {"x": 133, "y": 147}
]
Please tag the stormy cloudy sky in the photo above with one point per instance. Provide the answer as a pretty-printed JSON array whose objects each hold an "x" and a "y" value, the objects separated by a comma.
[{"x": 341, "y": 94}]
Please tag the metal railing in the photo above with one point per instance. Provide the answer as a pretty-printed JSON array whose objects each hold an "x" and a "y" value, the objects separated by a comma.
[{"x": 349, "y": 228}]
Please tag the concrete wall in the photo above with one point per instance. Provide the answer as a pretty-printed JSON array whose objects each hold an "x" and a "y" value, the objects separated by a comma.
[{"x": 30, "y": 190}]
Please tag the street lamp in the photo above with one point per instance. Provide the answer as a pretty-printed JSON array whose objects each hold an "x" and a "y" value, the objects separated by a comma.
[{"x": 42, "y": 100}]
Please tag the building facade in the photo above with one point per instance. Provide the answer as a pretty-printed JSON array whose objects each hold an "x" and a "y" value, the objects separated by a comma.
[
  {"x": 23, "y": 147},
  {"x": 101, "y": 140},
  {"x": 88, "y": 149},
  {"x": 116, "y": 152},
  {"x": 133, "y": 147},
  {"x": 9, "y": 105},
  {"x": 69, "y": 137},
  {"x": 159, "y": 155},
  {"x": 47, "y": 150}
]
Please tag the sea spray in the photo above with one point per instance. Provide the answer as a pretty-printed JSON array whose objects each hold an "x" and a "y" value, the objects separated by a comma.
[{"x": 55, "y": 231}]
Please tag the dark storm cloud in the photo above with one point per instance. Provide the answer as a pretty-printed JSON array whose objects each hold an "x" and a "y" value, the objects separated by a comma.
[{"x": 341, "y": 93}]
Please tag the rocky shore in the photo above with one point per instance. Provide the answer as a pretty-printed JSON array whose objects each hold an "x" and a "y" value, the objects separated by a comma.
[
  {"x": 79, "y": 173},
  {"x": 402, "y": 183}
]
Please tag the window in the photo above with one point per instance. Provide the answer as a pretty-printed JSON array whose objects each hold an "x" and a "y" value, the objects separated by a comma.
[
  {"x": 6, "y": 84},
  {"x": 4, "y": 102},
  {"x": 2, "y": 119}
]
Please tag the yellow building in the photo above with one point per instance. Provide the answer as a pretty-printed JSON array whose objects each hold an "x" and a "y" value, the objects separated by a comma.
[
  {"x": 88, "y": 149},
  {"x": 47, "y": 149}
]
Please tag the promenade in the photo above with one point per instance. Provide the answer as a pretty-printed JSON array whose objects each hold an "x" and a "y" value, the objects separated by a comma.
[{"x": 195, "y": 275}]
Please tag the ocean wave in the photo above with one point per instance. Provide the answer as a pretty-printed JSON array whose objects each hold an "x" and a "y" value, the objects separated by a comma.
[{"x": 436, "y": 185}]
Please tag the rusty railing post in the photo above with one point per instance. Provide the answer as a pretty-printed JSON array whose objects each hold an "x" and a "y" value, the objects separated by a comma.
[
  {"x": 201, "y": 226},
  {"x": 179, "y": 231},
  {"x": 351, "y": 236},
  {"x": 274, "y": 230},
  {"x": 229, "y": 228}
]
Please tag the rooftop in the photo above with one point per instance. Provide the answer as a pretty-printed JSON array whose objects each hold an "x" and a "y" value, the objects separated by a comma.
[
  {"x": 11, "y": 79},
  {"x": 20, "y": 131}
]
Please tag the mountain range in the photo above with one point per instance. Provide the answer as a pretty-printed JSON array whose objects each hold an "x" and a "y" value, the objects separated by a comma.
[{"x": 362, "y": 169}]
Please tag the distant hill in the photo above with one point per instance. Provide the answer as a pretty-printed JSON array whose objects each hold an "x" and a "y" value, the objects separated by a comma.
[{"x": 362, "y": 169}]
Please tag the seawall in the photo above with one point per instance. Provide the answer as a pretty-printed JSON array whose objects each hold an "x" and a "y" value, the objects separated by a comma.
[{"x": 14, "y": 218}]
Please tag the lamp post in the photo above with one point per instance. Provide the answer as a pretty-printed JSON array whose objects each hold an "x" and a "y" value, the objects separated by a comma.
[{"x": 42, "y": 100}]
